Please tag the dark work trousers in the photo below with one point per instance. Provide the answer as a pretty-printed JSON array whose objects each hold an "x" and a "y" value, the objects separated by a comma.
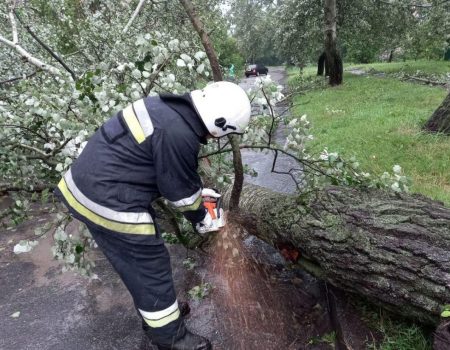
[{"x": 144, "y": 268}]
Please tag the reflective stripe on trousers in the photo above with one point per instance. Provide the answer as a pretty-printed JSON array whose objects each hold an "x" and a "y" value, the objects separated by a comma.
[
  {"x": 134, "y": 223},
  {"x": 160, "y": 318}
]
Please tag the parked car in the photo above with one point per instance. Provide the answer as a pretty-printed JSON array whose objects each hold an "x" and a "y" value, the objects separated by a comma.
[{"x": 255, "y": 69}]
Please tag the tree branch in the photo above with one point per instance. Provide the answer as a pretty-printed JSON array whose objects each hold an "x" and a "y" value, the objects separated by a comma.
[
  {"x": 24, "y": 128},
  {"x": 217, "y": 75},
  {"x": 307, "y": 163},
  {"x": 46, "y": 47},
  {"x": 35, "y": 150},
  {"x": 272, "y": 114},
  {"x": 14, "y": 28},
  {"x": 200, "y": 28},
  {"x": 12, "y": 80},
  {"x": 135, "y": 13},
  {"x": 33, "y": 60},
  {"x": 284, "y": 172},
  {"x": 7, "y": 187},
  {"x": 426, "y": 81},
  {"x": 155, "y": 75}
]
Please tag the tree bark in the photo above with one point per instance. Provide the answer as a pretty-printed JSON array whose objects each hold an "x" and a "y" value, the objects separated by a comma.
[
  {"x": 333, "y": 58},
  {"x": 217, "y": 75},
  {"x": 204, "y": 37},
  {"x": 392, "y": 248},
  {"x": 391, "y": 56},
  {"x": 440, "y": 120},
  {"x": 322, "y": 65},
  {"x": 442, "y": 336}
]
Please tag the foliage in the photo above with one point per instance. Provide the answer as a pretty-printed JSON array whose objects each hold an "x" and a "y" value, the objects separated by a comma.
[
  {"x": 391, "y": 332},
  {"x": 399, "y": 335},
  {"x": 229, "y": 54},
  {"x": 170, "y": 238},
  {"x": 328, "y": 338},
  {"x": 200, "y": 291},
  {"x": 189, "y": 263},
  {"x": 445, "y": 311},
  {"x": 47, "y": 118},
  {"x": 253, "y": 24},
  {"x": 72, "y": 248}
]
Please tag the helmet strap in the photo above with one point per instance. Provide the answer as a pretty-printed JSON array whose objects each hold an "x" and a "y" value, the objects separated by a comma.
[{"x": 221, "y": 123}]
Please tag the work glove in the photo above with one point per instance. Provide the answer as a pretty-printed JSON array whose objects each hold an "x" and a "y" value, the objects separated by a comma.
[
  {"x": 209, "y": 192},
  {"x": 214, "y": 218}
]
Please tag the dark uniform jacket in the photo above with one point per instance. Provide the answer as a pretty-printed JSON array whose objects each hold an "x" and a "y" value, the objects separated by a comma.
[{"x": 146, "y": 151}]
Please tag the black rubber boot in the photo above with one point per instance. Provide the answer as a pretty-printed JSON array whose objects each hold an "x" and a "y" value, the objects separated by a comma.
[
  {"x": 184, "y": 311},
  {"x": 190, "y": 341}
]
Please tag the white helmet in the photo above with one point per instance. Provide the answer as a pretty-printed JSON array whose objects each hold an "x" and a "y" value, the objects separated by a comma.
[{"x": 223, "y": 107}]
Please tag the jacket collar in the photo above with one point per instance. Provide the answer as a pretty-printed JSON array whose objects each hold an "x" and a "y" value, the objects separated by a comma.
[{"x": 183, "y": 105}]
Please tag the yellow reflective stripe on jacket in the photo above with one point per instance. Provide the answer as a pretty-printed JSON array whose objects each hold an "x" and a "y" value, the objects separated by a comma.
[
  {"x": 163, "y": 321},
  {"x": 139, "y": 229},
  {"x": 107, "y": 213},
  {"x": 133, "y": 124},
  {"x": 193, "y": 206}
]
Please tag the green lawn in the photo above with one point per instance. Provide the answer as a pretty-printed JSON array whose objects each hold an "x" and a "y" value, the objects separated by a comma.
[{"x": 379, "y": 120}]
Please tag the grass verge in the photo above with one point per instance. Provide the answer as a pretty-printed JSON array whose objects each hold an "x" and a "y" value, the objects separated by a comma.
[
  {"x": 379, "y": 121},
  {"x": 397, "y": 334}
]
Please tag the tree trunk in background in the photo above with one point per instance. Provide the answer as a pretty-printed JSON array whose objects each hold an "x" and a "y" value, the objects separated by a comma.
[
  {"x": 322, "y": 65},
  {"x": 440, "y": 120},
  {"x": 392, "y": 248},
  {"x": 334, "y": 60},
  {"x": 391, "y": 56},
  {"x": 217, "y": 75}
]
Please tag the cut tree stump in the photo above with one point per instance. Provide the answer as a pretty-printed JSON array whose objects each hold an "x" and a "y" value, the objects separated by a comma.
[{"x": 392, "y": 248}]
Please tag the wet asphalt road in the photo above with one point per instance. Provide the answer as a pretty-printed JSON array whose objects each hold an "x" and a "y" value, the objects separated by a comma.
[{"x": 262, "y": 162}]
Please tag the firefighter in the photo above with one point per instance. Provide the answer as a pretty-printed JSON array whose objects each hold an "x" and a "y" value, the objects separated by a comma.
[{"x": 146, "y": 151}]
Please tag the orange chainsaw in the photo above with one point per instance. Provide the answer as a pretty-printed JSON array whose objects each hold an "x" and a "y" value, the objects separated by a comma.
[{"x": 212, "y": 201}]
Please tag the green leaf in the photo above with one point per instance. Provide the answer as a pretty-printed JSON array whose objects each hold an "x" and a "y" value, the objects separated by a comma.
[
  {"x": 79, "y": 249},
  {"x": 44, "y": 196},
  {"x": 445, "y": 313}
]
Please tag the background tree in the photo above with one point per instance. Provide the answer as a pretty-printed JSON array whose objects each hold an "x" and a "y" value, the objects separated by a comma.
[
  {"x": 368, "y": 30},
  {"x": 333, "y": 58},
  {"x": 252, "y": 23}
]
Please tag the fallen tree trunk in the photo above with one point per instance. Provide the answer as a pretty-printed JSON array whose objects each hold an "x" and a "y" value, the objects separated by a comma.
[
  {"x": 426, "y": 81},
  {"x": 392, "y": 248}
]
